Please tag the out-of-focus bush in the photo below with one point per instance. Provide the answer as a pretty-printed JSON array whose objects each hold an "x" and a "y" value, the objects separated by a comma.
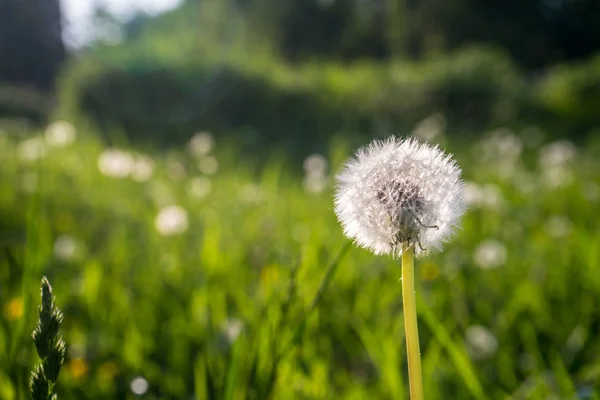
[
  {"x": 300, "y": 105},
  {"x": 568, "y": 96},
  {"x": 23, "y": 103}
]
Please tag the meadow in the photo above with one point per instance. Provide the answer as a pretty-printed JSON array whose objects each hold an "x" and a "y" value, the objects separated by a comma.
[{"x": 193, "y": 272}]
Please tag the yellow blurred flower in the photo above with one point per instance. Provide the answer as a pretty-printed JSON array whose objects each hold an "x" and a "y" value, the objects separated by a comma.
[
  {"x": 77, "y": 367},
  {"x": 13, "y": 309}
]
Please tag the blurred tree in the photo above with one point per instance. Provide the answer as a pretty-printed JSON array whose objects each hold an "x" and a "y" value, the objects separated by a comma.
[
  {"x": 534, "y": 32},
  {"x": 31, "y": 47},
  {"x": 334, "y": 28}
]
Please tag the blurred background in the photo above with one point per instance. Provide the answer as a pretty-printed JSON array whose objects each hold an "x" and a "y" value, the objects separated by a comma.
[{"x": 169, "y": 165}]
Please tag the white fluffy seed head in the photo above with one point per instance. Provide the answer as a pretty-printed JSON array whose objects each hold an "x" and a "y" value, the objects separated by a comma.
[{"x": 396, "y": 192}]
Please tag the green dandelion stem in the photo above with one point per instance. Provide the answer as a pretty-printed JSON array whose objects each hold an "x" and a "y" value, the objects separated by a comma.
[{"x": 410, "y": 324}]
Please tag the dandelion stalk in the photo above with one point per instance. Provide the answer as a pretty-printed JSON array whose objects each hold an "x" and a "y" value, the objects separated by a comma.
[
  {"x": 410, "y": 325},
  {"x": 50, "y": 347}
]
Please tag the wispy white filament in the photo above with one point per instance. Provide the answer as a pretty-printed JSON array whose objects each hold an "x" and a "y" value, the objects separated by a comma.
[{"x": 395, "y": 192}]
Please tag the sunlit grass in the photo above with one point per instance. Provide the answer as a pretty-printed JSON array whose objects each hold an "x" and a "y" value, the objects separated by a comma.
[{"x": 207, "y": 306}]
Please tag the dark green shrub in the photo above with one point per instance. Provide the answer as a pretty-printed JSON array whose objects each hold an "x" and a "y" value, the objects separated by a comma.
[
  {"x": 568, "y": 96},
  {"x": 293, "y": 107}
]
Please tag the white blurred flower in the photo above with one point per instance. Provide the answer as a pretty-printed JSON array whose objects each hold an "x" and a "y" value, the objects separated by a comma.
[
  {"x": 472, "y": 194},
  {"x": 399, "y": 192},
  {"x": 558, "y": 226},
  {"x": 60, "y": 134},
  {"x": 315, "y": 164},
  {"x": 557, "y": 154},
  {"x": 251, "y": 193},
  {"x": 143, "y": 168},
  {"x": 200, "y": 187},
  {"x": 233, "y": 328},
  {"x": 488, "y": 196},
  {"x": 116, "y": 163},
  {"x": 314, "y": 184},
  {"x": 556, "y": 176},
  {"x": 577, "y": 338},
  {"x": 490, "y": 254},
  {"x": 32, "y": 149},
  {"x": 171, "y": 220},
  {"x": 481, "y": 343},
  {"x": 501, "y": 144},
  {"x": 139, "y": 386},
  {"x": 176, "y": 169},
  {"x": 65, "y": 248},
  {"x": 208, "y": 165},
  {"x": 201, "y": 144},
  {"x": 491, "y": 196},
  {"x": 501, "y": 151},
  {"x": 430, "y": 128}
]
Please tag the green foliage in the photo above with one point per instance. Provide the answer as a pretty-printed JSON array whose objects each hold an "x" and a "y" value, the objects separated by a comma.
[
  {"x": 298, "y": 107},
  {"x": 207, "y": 311},
  {"x": 570, "y": 95},
  {"x": 23, "y": 103}
]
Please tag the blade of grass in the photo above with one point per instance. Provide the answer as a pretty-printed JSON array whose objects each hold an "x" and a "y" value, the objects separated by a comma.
[
  {"x": 331, "y": 269},
  {"x": 458, "y": 357},
  {"x": 232, "y": 371},
  {"x": 30, "y": 265},
  {"x": 563, "y": 380},
  {"x": 333, "y": 265}
]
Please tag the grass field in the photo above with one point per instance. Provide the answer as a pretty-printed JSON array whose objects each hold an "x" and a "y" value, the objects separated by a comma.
[{"x": 190, "y": 273}]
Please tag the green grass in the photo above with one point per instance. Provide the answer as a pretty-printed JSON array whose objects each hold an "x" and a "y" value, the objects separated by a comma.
[{"x": 207, "y": 312}]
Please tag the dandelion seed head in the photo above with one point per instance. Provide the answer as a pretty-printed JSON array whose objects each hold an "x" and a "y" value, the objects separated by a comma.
[
  {"x": 398, "y": 192},
  {"x": 175, "y": 169},
  {"x": 60, "y": 134},
  {"x": 481, "y": 343},
  {"x": 200, "y": 187},
  {"x": 139, "y": 385},
  {"x": 201, "y": 144},
  {"x": 233, "y": 328},
  {"x": 65, "y": 248},
  {"x": 314, "y": 184},
  {"x": 315, "y": 165},
  {"x": 116, "y": 163},
  {"x": 32, "y": 149},
  {"x": 171, "y": 220},
  {"x": 556, "y": 154},
  {"x": 143, "y": 168},
  {"x": 430, "y": 128},
  {"x": 208, "y": 165},
  {"x": 490, "y": 254}
]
